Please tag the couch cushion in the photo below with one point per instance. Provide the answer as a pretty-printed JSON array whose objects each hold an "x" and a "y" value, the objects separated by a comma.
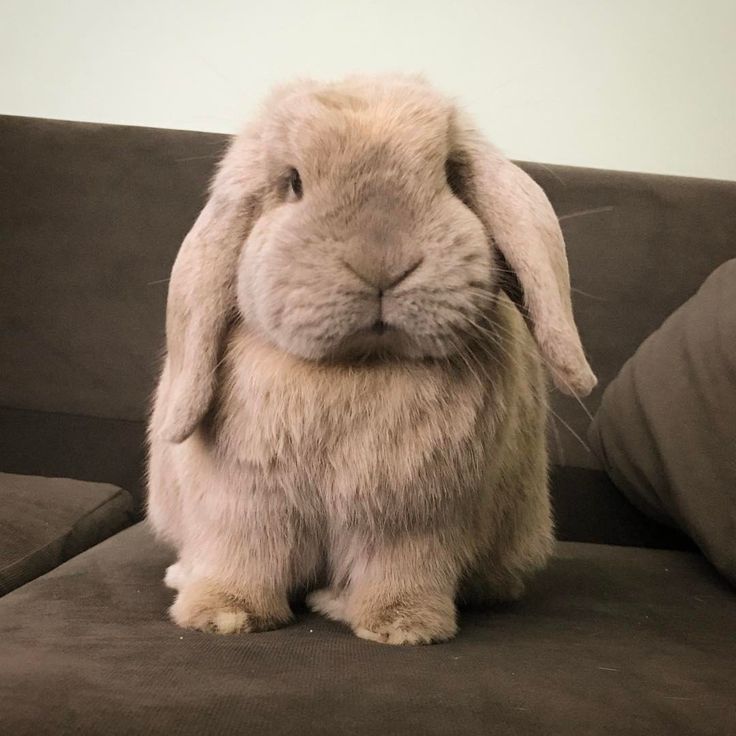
[
  {"x": 666, "y": 430},
  {"x": 610, "y": 640},
  {"x": 45, "y": 521}
]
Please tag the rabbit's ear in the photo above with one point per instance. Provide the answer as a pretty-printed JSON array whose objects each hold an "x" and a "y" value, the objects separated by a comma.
[
  {"x": 202, "y": 296},
  {"x": 525, "y": 229}
]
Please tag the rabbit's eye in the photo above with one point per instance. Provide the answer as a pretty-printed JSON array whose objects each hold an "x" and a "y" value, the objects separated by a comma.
[{"x": 295, "y": 183}]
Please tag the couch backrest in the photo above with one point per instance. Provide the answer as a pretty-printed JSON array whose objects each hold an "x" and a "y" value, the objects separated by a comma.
[
  {"x": 639, "y": 245},
  {"x": 92, "y": 217}
]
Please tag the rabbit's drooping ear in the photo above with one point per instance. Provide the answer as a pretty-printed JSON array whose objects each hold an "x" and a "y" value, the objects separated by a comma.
[
  {"x": 202, "y": 295},
  {"x": 524, "y": 227}
]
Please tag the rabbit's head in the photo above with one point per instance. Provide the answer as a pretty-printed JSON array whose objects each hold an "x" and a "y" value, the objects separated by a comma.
[{"x": 363, "y": 218}]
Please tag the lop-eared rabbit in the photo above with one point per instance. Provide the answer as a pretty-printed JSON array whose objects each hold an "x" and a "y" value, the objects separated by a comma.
[{"x": 351, "y": 404}]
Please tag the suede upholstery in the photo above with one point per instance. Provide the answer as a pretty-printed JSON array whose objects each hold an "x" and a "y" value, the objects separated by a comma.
[
  {"x": 590, "y": 508},
  {"x": 45, "y": 521},
  {"x": 610, "y": 640},
  {"x": 635, "y": 638}
]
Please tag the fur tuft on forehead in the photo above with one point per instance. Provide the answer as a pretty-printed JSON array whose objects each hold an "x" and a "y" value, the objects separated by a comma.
[{"x": 400, "y": 116}]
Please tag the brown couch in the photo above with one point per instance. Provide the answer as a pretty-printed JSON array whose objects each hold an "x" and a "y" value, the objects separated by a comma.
[{"x": 629, "y": 631}]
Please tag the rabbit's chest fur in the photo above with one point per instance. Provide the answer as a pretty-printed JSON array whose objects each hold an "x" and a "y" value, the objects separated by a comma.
[{"x": 376, "y": 440}]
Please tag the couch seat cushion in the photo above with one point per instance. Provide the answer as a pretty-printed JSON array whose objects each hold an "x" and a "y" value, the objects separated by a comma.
[
  {"x": 610, "y": 640},
  {"x": 45, "y": 521}
]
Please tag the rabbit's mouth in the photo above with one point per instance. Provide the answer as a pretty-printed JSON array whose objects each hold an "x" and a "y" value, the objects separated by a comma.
[
  {"x": 379, "y": 327},
  {"x": 378, "y": 340}
]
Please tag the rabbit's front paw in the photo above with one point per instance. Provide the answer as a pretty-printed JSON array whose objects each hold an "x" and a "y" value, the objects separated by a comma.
[
  {"x": 208, "y": 608},
  {"x": 176, "y": 576},
  {"x": 328, "y": 602},
  {"x": 418, "y": 624}
]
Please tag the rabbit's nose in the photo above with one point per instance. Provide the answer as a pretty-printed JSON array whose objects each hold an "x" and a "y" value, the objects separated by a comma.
[
  {"x": 383, "y": 280},
  {"x": 398, "y": 278}
]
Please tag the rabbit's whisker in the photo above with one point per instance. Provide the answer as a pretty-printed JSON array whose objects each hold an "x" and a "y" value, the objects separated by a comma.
[
  {"x": 515, "y": 359},
  {"x": 583, "y": 213}
]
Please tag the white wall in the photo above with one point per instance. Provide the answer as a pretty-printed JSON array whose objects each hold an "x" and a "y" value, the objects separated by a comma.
[{"x": 645, "y": 86}]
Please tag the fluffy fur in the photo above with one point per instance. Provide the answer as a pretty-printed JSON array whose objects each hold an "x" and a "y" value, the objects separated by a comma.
[{"x": 349, "y": 398}]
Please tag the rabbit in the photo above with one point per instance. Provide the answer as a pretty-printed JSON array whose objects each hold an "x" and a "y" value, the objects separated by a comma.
[{"x": 352, "y": 404}]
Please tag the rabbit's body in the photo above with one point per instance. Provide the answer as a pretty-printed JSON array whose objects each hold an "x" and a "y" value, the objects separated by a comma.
[
  {"x": 349, "y": 397},
  {"x": 319, "y": 469}
]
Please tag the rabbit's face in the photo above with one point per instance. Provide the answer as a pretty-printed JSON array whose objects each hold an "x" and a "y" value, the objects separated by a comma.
[
  {"x": 363, "y": 218},
  {"x": 363, "y": 245}
]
